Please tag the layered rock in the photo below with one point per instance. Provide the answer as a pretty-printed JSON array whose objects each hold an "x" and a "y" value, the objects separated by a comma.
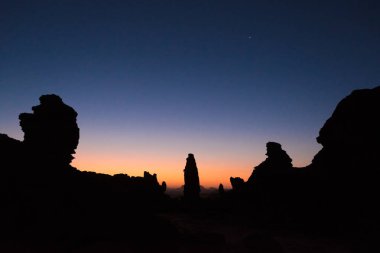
[{"x": 191, "y": 189}]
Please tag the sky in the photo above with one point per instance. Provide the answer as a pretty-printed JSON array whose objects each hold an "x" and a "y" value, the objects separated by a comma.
[{"x": 155, "y": 80}]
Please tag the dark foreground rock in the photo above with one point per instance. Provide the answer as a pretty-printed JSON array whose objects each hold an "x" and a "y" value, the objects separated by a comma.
[
  {"x": 338, "y": 190},
  {"x": 49, "y": 206},
  {"x": 348, "y": 165}
]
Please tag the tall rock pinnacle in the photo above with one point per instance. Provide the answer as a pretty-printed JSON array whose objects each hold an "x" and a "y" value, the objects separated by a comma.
[{"x": 192, "y": 187}]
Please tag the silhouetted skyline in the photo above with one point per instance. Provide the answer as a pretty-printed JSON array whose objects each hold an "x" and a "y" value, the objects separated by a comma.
[
  {"x": 155, "y": 80},
  {"x": 48, "y": 204}
]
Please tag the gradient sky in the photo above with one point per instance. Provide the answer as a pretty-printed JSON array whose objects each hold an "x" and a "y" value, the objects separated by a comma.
[{"x": 155, "y": 80}]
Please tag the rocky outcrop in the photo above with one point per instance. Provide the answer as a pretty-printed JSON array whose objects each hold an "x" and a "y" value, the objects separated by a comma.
[
  {"x": 151, "y": 183},
  {"x": 44, "y": 199},
  {"x": 41, "y": 162},
  {"x": 351, "y": 136},
  {"x": 348, "y": 164},
  {"x": 277, "y": 162},
  {"x": 51, "y": 132},
  {"x": 191, "y": 189},
  {"x": 151, "y": 179},
  {"x": 273, "y": 183},
  {"x": 237, "y": 183},
  {"x": 340, "y": 187}
]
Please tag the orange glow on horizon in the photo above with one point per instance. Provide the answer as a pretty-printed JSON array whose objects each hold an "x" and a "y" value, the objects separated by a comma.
[
  {"x": 212, "y": 172},
  {"x": 216, "y": 160}
]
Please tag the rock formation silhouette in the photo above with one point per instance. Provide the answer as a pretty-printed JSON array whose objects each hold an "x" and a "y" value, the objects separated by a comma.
[
  {"x": 338, "y": 189},
  {"x": 42, "y": 160},
  {"x": 348, "y": 164},
  {"x": 51, "y": 131},
  {"x": 45, "y": 200},
  {"x": 274, "y": 183},
  {"x": 269, "y": 175},
  {"x": 351, "y": 135},
  {"x": 278, "y": 162},
  {"x": 191, "y": 189},
  {"x": 237, "y": 183},
  {"x": 221, "y": 189},
  {"x": 163, "y": 186},
  {"x": 51, "y": 135}
]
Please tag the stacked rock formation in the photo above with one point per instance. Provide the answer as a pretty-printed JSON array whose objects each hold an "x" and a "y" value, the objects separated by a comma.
[
  {"x": 51, "y": 131},
  {"x": 272, "y": 183},
  {"x": 192, "y": 187},
  {"x": 277, "y": 162}
]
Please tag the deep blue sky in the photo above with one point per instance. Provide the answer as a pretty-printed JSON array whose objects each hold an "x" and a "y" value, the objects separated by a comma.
[{"x": 155, "y": 80}]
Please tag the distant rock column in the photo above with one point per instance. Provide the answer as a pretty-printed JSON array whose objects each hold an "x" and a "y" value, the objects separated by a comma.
[
  {"x": 192, "y": 187},
  {"x": 221, "y": 190},
  {"x": 163, "y": 186}
]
